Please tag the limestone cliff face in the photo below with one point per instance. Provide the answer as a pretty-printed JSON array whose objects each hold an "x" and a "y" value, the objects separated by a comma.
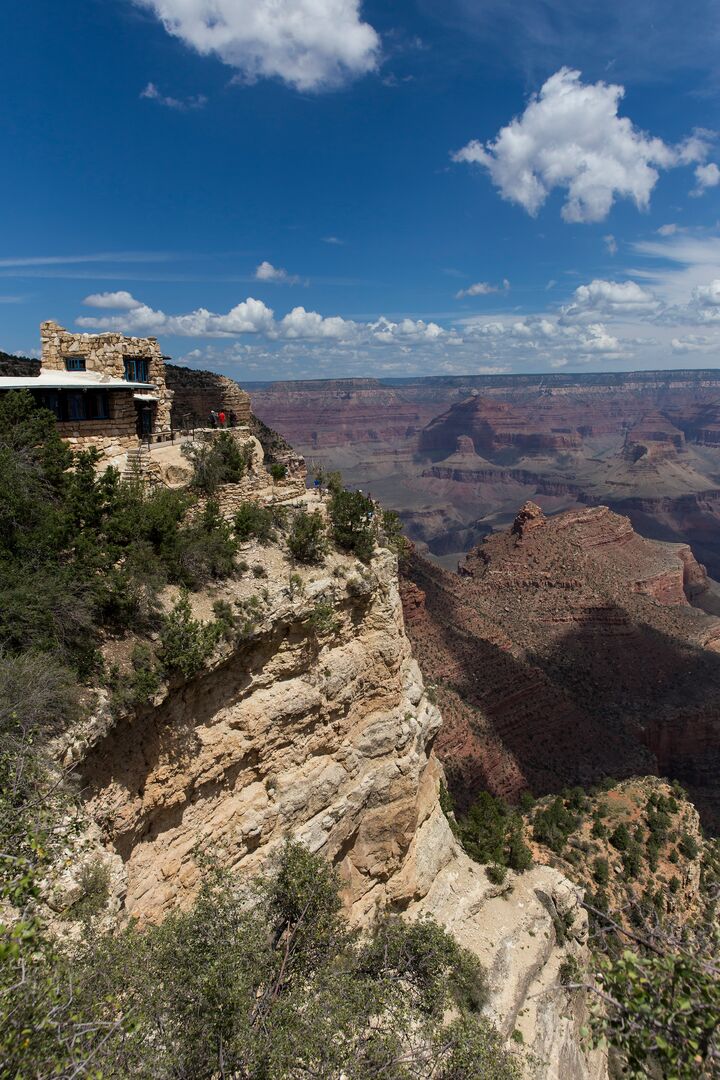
[{"x": 325, "y": 733}]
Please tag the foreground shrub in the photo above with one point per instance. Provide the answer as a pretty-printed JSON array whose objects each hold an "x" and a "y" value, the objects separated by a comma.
[
  {"x": 263, "y": 984},
  {"x": 252, "y": 520},
  {"x": 217, "y": 460}
]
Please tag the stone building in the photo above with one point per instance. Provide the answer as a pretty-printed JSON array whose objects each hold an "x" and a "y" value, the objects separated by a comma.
[{"x": 107, "y": 390}]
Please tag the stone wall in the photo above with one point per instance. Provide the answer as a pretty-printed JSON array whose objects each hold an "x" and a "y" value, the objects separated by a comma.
[
  {"x": 106, "y": 353},
  {"x": 197, "y": 392}
]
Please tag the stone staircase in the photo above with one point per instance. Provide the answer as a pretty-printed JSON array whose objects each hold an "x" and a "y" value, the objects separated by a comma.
[{"x": 140, "y": 466}]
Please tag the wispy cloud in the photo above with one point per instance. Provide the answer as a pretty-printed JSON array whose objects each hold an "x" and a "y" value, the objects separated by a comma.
[
  {"x": 482, "y": 288},
  {"x": 100, "y": 257},
  {"x": 152, "y": 93},
  {"x": 332, "y": 240}
]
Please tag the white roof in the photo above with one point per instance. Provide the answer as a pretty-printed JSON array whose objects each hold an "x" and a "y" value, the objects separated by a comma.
[{"x": 68, "y": 380}]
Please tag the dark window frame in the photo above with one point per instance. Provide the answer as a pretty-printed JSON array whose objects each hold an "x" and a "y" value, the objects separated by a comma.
[
  {"x": 89, "y": 405},
  {"x": 75, "y": 363},
  {"x": 137, "y": 369}
]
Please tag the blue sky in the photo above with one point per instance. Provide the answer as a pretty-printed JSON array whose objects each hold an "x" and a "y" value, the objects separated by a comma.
[{"x": 315, "y": 188}]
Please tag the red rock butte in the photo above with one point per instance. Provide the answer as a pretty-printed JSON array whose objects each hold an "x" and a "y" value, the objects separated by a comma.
[{"x": 567, "y": 649}]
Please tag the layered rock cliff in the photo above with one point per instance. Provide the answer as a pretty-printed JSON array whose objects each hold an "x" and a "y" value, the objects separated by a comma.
[
  {"x": 316, "y": 724},
  {"x": 567, "y": 650},
  {"x": 449, "y": 452}
]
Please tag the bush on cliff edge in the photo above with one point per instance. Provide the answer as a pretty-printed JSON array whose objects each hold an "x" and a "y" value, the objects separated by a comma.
[{"x": 264, "y": 983}]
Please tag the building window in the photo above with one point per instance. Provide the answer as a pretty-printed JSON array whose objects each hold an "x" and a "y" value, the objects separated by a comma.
[
  {"x": 76, "y": 406},
  {"x": 97, "y": 406},
  {"x": 137, "y": 370},
  {"x": 50, "y": 399},
  {"x": 74, "y": 363}
]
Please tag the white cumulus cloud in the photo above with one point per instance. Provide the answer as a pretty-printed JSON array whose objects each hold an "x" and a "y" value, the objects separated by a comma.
[
  {"x": 309, "y": 44},
  {"x": 267, "y": 272},
  {"x": 116, "y": 301},
  {"x": 707, "y": 176},
  {"x": 570, "y": 136},
  {"x": 300, "y": 323},
  {"x": 610, "y": 298}
]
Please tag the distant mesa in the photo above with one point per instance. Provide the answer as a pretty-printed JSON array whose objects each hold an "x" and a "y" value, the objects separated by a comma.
[{"x": 652, "y": 438}]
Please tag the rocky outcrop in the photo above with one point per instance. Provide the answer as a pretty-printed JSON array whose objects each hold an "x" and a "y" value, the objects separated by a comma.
[
  {"x": 651, "y": 438},
  {"x": 197, "y": 392},
  {"x": 567, "y": 650},
  {"x": 317, "y": 724}
]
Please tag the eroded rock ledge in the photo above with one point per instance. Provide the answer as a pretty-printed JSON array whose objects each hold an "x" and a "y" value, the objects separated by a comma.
[{"x": 328, "y": 737}]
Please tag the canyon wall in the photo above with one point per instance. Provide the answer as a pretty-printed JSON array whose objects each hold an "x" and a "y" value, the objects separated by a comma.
[
  {"x": 456, "y": 456},
  {"x": 197, "y": 392},
  {"x": 566, "y": 650},
  {"x": 321, "y": 728}
]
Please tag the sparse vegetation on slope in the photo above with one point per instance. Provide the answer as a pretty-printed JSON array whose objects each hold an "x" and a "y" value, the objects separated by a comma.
[{"x": 263, "y": 982}]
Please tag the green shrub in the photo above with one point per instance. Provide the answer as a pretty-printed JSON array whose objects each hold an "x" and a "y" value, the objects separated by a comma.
[
  {"x": 137, "y": 686},
  {"x": 491, "y": 833},
  {"x": 620, "y": 837},
  {"x": 252, "y": 520},
  {"x": 352, "y": 518},
  {"x": 553, "y": 825},
  {"x": 392, "y": 530},
  {"x": 518, "y": 854},
  {"x": 186, "y": 643},
  {"x": 323, "y": 619},
  {"x": 261, "y": 982},
  {"x": 94, "y": 880},
  {"x": 601, "y": 871},
  {"x": 496, "y": 873},
  {"x": 278, "y": 471},
  {"x": 526, "y": 802},
  {"x": 570, "y": 971},
  {"x": 217, "y": 460},
  {"x": 307, "y": 540},
  {"x": 688, "y": 846}
]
